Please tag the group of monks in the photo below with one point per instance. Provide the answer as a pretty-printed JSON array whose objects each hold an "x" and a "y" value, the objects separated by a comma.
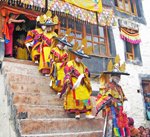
[{"x": 69, "y": 77}]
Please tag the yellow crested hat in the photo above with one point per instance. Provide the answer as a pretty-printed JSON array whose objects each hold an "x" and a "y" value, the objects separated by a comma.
[
  {"x": 82, "y": 50},
  {"x": 49, "y": 20},
  {"x": 65, "y": 38},
  {"x": 116, "y": 68}
]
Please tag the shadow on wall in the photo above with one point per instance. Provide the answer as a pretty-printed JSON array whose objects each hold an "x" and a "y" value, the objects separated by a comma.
[
  {"x": 2, "y": 49},
  {"x": 1, "y": 67}
]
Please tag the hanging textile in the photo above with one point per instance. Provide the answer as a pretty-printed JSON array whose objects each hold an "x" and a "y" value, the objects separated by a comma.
[
  {"x": 38, "y": 3},
  {"x": 107, "y": 17},
  {"x": 79, "y": 13},
  {"x": 133, "y": 37},
  {"x": 92, "y": 5}
]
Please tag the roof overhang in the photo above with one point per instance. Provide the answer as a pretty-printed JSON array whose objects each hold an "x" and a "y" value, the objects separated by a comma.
[{"x": 5, "y": 9}]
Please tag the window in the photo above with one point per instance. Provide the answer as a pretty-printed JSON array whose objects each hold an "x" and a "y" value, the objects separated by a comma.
[
  {"x": 132, "y": 53},
  {"x": 76, "y": 27},
  {"x": 96, "y": 36},
  {"x": 146, "y": 93},
  {"x": 128, "y": 6},
  {"x": 131, "y": 39}
]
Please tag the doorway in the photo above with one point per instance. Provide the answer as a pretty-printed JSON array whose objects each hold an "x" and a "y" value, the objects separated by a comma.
[{"x": 20, "y": 32}]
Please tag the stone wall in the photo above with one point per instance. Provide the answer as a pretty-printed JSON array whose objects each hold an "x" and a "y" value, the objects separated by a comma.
[{"x": 7, "y": 128}]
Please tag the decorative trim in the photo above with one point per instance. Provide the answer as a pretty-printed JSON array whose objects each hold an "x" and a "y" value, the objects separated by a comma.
[
  {"x": 105, "y": 18},
  {"x": 133, "y": 38},
  {"x": 37, "y": 3},
  {"x": 21, "y": 8},
  {"x": 93, "y": 5},
  {"x": 81, "y": 14},
  {"x": 128, "y": 24}
]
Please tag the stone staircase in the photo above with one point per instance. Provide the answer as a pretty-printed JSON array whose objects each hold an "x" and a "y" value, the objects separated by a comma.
[{"x": 37, "y": 110}]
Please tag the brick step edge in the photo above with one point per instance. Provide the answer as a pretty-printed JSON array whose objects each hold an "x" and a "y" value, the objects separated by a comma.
[
  {"x": 73, "y": 134},
  {"x": 56, "y": 125}
]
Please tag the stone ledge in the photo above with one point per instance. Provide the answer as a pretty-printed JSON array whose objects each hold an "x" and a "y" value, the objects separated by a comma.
[
  {"x": 80, "y": 134},
  {"x": 18, "y": 61},
  {"x": 36, "y": 99},
  {"x": 57, "y": 125}
]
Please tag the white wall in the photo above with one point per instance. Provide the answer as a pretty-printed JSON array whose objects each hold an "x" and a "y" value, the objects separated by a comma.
[{"x": 132, "y": 83}]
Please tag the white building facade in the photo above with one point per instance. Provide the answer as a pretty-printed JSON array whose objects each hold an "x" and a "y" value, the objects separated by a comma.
[{"x": 132, "y": 85}]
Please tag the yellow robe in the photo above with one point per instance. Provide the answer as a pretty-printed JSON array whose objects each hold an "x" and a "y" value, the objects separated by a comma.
[
  {"x": 22, "y": 51},
  {"x": 45, "y": 52},
  {"x": 79, "y": 98},
  {"x": 58, "y": 59},
  {"x": 115, "y": 91},
  {"x": 34, "y": 51}
]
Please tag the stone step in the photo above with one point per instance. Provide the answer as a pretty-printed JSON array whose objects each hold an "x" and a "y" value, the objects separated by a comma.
[
  {"x": 18, "y": 61},
  {"x": 26, "y": 79},
  {"x": 41, "y": 112},
  {"x": 42, "y": 89},
  {"x": 39, "y": 106},
  {"x": 73, "y": 134},
  {"x": 45, "y": 114},
  {"x": 59, "y": 125},
  {"x": 46, "y": 111},
  {"x": 21, "y": 67},
  {"x": 36, "y": 99}
]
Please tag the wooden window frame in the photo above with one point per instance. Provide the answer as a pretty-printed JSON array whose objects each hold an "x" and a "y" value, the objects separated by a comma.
[
  {"x": 124, "y": 8},
  {"x": 130, "y": 55},
  {"x": 75, "y": 31},
  {"x": 84, "y": 34},
  {"x": 106, "y": 43},
  {"x": 146, "y": 82},
  {"x": 146, "y": 94}
]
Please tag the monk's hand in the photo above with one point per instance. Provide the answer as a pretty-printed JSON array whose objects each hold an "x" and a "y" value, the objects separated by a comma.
[{"x": 126, "y": 107}]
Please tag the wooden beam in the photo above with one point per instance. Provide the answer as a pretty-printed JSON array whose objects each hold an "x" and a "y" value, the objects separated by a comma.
[
  {"x": 46, "y": 6},
  {"x": 29, "y": 13}
]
